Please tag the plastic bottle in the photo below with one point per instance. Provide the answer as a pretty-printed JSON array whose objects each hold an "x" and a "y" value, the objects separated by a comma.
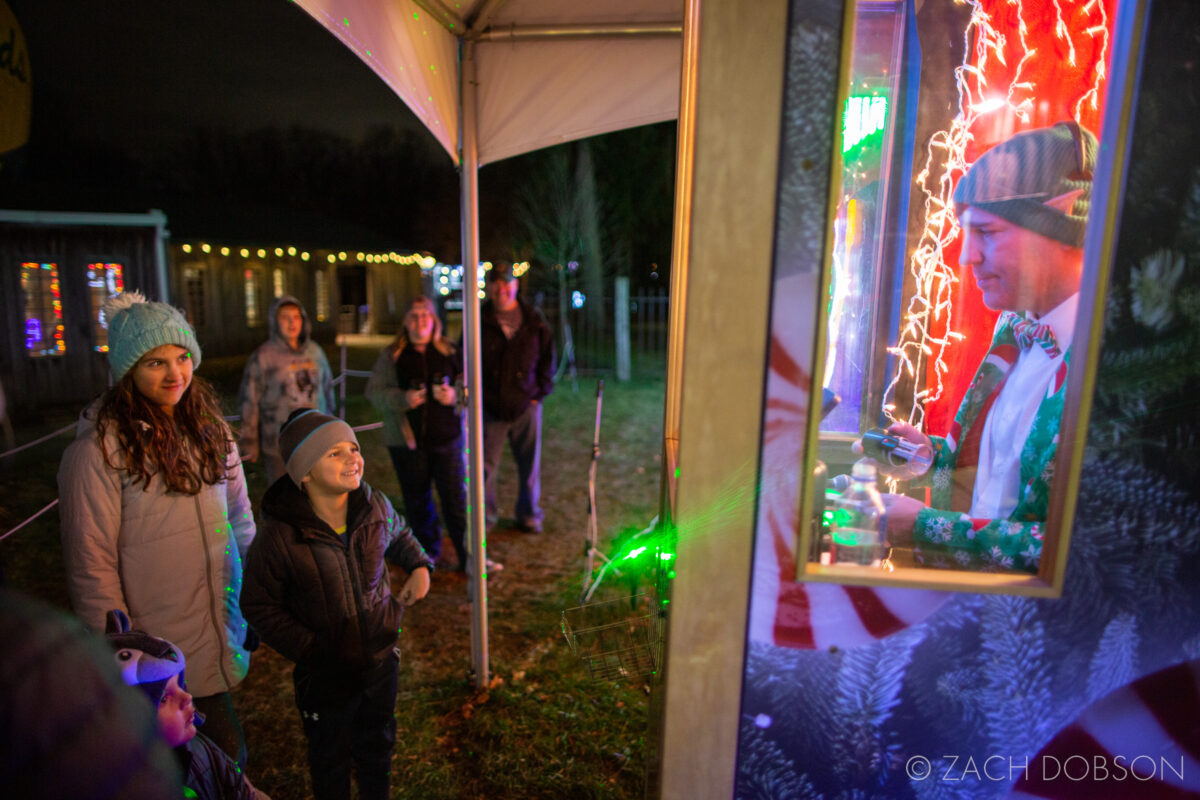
[{"x": 859, "y": 528}]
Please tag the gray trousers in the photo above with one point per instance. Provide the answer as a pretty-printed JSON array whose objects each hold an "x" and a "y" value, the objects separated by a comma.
[{"x": 524, "y": 436}]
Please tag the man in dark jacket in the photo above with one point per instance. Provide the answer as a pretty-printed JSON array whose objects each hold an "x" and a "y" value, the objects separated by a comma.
[{"x": 517, "y": 358}]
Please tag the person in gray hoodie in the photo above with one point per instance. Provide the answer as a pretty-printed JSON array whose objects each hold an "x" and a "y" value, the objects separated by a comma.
[{"x": 286, "y": 372}]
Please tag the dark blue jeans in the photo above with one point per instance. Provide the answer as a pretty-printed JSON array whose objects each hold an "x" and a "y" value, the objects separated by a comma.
[
  {"x": 349, "y": 719},
  {"x": 524, "y": 435},
  {"x": 418, "y": 472}
]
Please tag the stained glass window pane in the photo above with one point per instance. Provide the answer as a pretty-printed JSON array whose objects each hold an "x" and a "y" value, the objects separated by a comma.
[{"x": 43, "y": 310}]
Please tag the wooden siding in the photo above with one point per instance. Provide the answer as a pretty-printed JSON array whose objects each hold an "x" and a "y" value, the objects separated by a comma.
[
  {"x": 209, "y": 287},
  {"x": 81, "y": 372},
  {"x": 222, "y": 326}
]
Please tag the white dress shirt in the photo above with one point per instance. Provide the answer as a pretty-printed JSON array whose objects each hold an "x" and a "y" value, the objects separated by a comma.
[{"x": 998, "y": 481}]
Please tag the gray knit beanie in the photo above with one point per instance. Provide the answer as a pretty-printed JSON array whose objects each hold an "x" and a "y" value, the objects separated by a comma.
[
  {"x": 136, "y": 326},
  {"x": 306, "y": 436},
  {"x": 1015, "y": 178}
]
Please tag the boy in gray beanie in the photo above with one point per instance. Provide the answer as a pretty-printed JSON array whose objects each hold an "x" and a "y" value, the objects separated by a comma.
[
  {"x": 319, "y": 589},
  {"x": 1023, "y": 207}
]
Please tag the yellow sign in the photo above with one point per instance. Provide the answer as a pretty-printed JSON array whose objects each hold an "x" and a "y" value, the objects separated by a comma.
[{"x": 16, "y": 84}]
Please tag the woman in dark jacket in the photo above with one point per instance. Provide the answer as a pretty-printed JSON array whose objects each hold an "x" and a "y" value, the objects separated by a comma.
[{"x": 415, "y": 388}]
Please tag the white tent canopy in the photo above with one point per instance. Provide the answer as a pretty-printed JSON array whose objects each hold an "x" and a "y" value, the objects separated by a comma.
[
  {"x": 496, "y": 78},
  {"x": 547, "y": 71}
]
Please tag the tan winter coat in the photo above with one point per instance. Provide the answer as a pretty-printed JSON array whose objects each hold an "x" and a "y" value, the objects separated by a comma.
[{"x": 171, "y": 561}]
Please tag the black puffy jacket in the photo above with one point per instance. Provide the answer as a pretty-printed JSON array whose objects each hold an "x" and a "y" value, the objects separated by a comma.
[
  {"x": 317, "y": 599},
  {"x": 516, "y": 370},
  {"x": 209, "y": 774}
]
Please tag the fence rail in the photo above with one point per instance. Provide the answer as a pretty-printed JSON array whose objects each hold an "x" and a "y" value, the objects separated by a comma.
[
  {"x": 593, "y": 347},
  {"x": 594, "y": 340}
]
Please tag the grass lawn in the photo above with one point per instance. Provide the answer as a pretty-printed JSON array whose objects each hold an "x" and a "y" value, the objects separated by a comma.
[{"x": 543, "y": 728}]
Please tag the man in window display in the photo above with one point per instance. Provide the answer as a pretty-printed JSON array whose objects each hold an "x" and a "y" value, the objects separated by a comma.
[{"x": 1023, "y": 207}]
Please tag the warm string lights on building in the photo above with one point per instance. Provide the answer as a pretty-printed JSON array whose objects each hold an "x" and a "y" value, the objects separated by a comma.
[
  {"x": 447, "y": 278},
  {"x": 928, "y": 326},
  {"x": 422, "y": 260}
]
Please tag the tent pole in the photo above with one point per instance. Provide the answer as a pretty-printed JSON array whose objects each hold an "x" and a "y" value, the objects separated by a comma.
[{"x": 469, "y": 211}]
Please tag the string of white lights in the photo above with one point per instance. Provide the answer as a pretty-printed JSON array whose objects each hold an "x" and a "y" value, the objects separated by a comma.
[{"x": 920, "y": 349}]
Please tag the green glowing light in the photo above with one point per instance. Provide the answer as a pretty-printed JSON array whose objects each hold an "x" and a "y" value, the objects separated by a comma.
[
  {"x": 666, "y": 556},
  {"x": 635, "y": 552},
  {"x": 863, "y": 117}
]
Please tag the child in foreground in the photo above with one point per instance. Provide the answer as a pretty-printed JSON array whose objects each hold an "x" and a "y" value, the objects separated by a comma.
[
  {"x": 156, "y": 667},
  {"x": 317, "y": 589}
]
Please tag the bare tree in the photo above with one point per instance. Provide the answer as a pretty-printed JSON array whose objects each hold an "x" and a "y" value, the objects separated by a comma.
[{"x": 548, "y": 208}]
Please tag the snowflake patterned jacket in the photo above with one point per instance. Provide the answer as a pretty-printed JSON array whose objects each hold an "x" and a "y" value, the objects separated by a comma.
[{"x": 952, "y": 538}]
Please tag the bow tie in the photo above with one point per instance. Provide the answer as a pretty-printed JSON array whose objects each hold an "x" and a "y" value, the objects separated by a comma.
[{"x": 1029, "y": 332}]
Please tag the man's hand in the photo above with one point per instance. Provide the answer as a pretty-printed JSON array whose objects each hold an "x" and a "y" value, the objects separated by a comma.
[
  {"x": 909, "y": 470},
  {"x": 902, "y": 513},
  {"x": 414, "y": 398},
  {"x": 444, "y": 394},
  {"x": 411, "y": 590},
  {"x": 249, "y": 453}
]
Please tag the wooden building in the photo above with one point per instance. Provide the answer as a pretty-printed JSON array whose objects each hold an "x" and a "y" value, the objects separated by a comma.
[
  {"x": 227, "y": 289},
  {"x": 56, "y": 268}
]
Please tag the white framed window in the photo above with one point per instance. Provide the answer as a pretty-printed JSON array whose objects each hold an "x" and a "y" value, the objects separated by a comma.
[
  {"x": 254, "y": 317},
  {"x": 43, "y": 316},
  {"x": 322, "y": 277},
  {"x": 103, "y": 280}
]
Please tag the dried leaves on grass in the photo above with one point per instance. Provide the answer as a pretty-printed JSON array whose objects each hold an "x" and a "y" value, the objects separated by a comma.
[{"x": 541, "y": 728}]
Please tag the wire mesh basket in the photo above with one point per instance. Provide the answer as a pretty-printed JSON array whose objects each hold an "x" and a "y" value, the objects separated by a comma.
[{"x": 617, "y": 639}]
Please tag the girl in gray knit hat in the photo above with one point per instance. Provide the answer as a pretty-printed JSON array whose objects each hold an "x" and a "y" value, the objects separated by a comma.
[{"x": 155, "y": 516}]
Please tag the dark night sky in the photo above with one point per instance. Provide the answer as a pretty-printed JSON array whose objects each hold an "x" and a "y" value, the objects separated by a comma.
[
  {"x": 245, "y": 120},
  {"x": 193, "y": 107},
  {"x": 142, "y": 73}
]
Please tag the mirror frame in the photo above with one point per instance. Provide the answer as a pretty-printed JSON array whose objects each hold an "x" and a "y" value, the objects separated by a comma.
[{"x": 1098, "y": 253}]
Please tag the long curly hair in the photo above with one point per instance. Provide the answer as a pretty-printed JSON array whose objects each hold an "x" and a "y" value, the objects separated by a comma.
[
  {"x": 189, "y": 450},
  {"x": 440, "y": 343}
]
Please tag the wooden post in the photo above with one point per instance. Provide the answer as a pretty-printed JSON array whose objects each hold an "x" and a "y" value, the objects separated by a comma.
[
  {"x": 342, "y": 375},
  {"x": 621, "y": 319}
]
